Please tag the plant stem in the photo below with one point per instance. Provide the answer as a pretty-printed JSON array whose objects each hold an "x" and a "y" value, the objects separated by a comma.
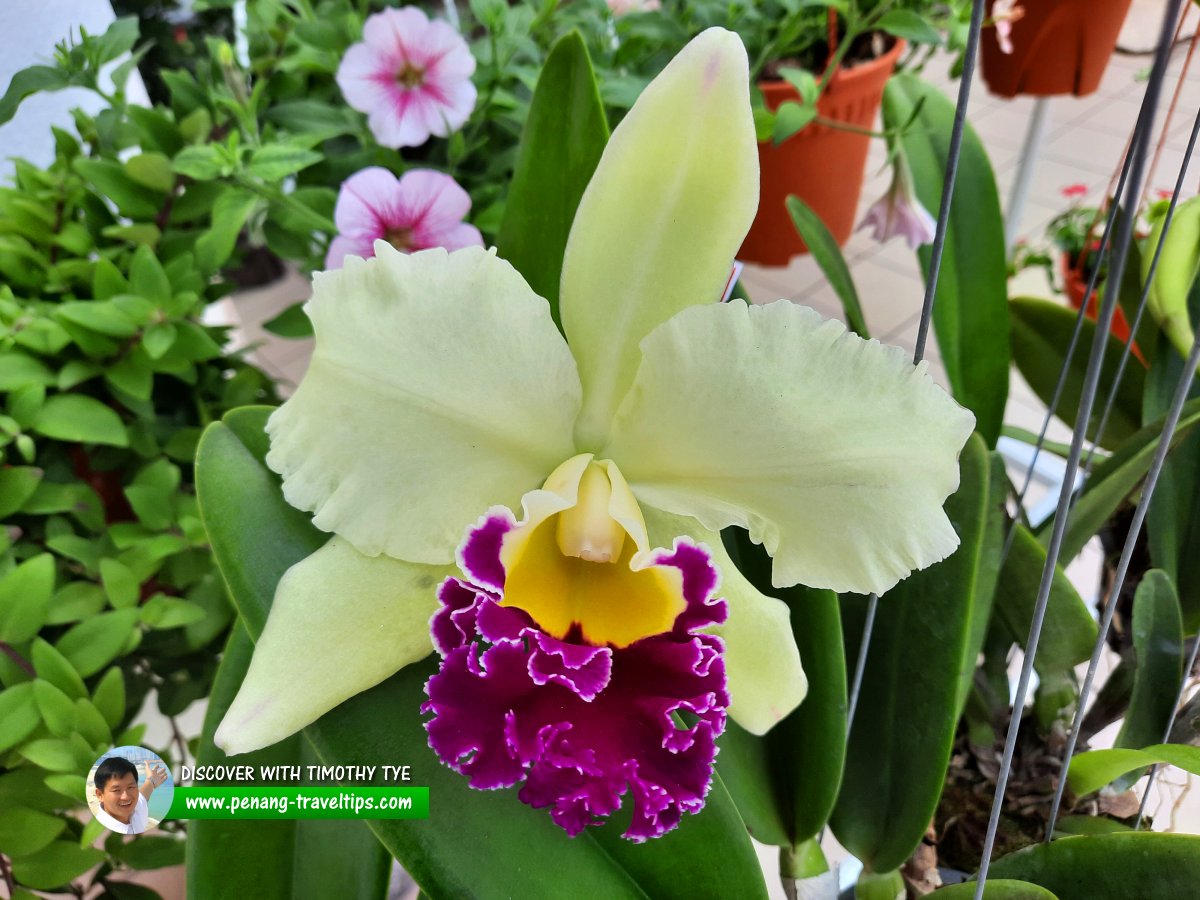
[{"x": 19, "y": 660}]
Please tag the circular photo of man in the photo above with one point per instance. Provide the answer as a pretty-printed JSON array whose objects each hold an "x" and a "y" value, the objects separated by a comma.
[{"x": 129, "y": 790}]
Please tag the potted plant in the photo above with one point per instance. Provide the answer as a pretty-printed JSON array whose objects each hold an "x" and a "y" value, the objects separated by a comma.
[{"x": 1055, "y": 47}]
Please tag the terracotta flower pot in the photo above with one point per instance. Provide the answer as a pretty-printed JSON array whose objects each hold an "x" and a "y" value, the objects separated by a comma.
[
  {"x": 1059, "y": 47},
  {"x": 1075, "y": 284},
  {"x": 823, "y": 166}
]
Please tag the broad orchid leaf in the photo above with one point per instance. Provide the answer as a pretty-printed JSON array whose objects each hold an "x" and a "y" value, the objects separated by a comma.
[
  {"x": 1069, "y": 632},
  {"x": 1041, "y": 332},
  {"x": 301, "y": 859},
  {"x": 995, "y": 889},
  {"x": 1114, "y": 480},
  {"x": 970, "y": 312},
  {"x": 1110, "y": 866},
  {"x": 1158, "y": 651},
  {"x": 1093, "y": 770},
  {"x": 564, "y": 136},
  {"x": 527, "y": 854},
  {"x": 904, "y": 727},
  {"x": 1173, "y": 522},
  {"x": 825, "y": 250},
  {"x": 785, "y": 782}
]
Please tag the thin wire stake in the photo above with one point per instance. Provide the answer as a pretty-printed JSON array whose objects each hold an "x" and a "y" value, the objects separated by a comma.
[
  {"x": 1127, "y": 350},
  {"x": 1135, "y": 528},
  {"x": 1187, "y": 676},
  {"x": 1087, "y": 401},
  {"x": 935, "y": 267}
]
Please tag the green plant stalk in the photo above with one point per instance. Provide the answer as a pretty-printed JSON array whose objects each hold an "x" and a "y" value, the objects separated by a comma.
[{"x": 880, "y": 886}]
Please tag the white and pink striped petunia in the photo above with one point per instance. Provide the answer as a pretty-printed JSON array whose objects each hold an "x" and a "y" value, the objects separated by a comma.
[
  {"x": 410, "y": 75},
  {"x": 419, "y": 210}
]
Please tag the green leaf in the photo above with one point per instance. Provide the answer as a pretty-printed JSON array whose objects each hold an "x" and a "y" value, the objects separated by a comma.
[
  {"x": 55, "y": 865},
  {"x": 91, "y": 724},
  {"x": 53, "y": 754},
  {"x": 791, "y": 118},
  {"x": 970, "y": 311},
  {"x": 230, "y": 212},
  {"x": 303, "y": 859},
  {"x": 153, "y": 853},
  {"x": 147, "y": 278},
  {"x": 1173, "y": 520},
  {"x": 24, "y": 595},
  {"x": 313, "y": 117},
  {"x": 1110, "y": 866},
  {"x": 17, "y": 484},
  {"x": 100, "y": 316},
  {"x": 895, "y": 767},
  {"x": 109, "y": 697},
  {"x": 996, "y": 889},
  {"x": 803, "y": 81},
  {"x": 1158, "y": 651},
  {"x": 158, "y": 338},
  {"x": 118, "y": 39},
  {"x": 75, "y": 417},
  {"x": 564, "y": 136},
  {"x": 276, "y": 162},
  {"x": 109, "y": 178},
  {"x": 1069, "y": 632},
  {"x": 1093, "y": 770},
  {"x": 828, "y": 255},
  {"x": 256, "y": 537},
  {"x": 785, "y": 782},
  {"x": 19, "y": 717},
  {"x": 51, "y": 665},
  {"x": 19, "y": 369},
  {"x": 162, "y": 611},
  {"x": 152, "y": 170},
  {"x": 291, "y": 323},
  {"x": 910, "y": 25},
  {"x": 1041, "y": 332},
  {"x": 94, "y": 643},
  {"x": 202, "y": 162},
  {"x": 120, "y": 585},
  {"x": 1114, "y": 480},
  {"x": 25, "y": 831},
  {"x": 55, "y": 707},
  {"x": 28, "y": 81}
]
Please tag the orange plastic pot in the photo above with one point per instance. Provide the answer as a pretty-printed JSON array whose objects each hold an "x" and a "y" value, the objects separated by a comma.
[
  {"x": 821, "y": 165},
  {"x": 1059, "y": 47},
  {"x": 1075, "y": 285}
]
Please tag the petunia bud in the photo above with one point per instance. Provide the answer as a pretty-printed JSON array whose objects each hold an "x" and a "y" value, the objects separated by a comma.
[{"x": 1178, "y": 264}]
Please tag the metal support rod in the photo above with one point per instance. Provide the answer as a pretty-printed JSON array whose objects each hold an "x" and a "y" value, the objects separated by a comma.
[
  {"x": 1018, "y": 196},
  {"x": 1087, "y": 401}
]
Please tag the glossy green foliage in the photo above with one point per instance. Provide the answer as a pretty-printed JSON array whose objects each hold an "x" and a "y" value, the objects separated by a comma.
[
  {"x": 1114, "y": 480},
  {"x": 1173, "y": 522},
  {"x": 256, "y": 536},
  {"x": 297, "y": 859},
  {"x": 995, "y": 889},
  {"x": 1041, "y": 333},
  {"x": 785, "y": 782},
  {"x": 904, "y": 727},
  {"x": 1093, "y": 770},
  {"x": 828, "y": 254},
  {"x": 561, "y": 144},
  {"x": 970, "y": 312},
  {"x": 1069, "y": 631},
  {"x": 1110, "y": 867},
  {"x": 1158, "y": 652}
]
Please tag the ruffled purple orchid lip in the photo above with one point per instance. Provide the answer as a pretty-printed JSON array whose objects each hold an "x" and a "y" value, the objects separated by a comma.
[{"x": 580, "y": 725}]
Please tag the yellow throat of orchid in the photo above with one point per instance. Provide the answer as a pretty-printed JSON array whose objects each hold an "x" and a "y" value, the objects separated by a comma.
[{"x": 581, "y": 559}]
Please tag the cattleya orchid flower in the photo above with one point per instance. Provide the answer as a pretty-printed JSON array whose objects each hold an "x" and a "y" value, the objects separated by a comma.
[
  {"x": 410, "y": 75},
  {"x": 899, "y": 212},
  {"x": 592, "y": 646},
  {"x": 419, "y": 210}
]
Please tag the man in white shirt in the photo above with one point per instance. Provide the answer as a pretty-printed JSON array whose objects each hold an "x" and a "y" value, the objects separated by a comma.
[{"x": 122, "y": 803}]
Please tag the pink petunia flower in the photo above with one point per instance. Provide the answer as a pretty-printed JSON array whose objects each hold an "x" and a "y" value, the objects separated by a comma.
[
  {"x": 420, "y": 209},
  {"x": 899, "y": 212},
  {"x": 1004, "y": 13},
  {"x": 1075, "y": 191},
  {"x": 410, "y": 75}
]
